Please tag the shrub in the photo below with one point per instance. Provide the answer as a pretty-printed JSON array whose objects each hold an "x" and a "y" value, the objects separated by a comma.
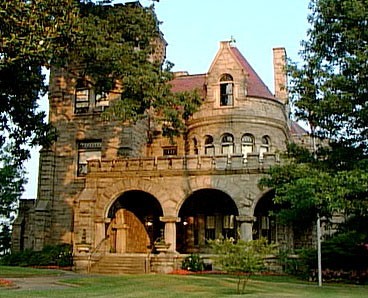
[
  {"x": 242, "y": 258},
  {"x": 59, "y": 255},
  {"x": 193, "y": 263},
  {"x": 344, "y": 258}
]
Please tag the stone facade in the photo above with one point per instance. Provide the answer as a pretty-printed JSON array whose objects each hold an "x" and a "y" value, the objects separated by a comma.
[{"x": 182, "y": 192}]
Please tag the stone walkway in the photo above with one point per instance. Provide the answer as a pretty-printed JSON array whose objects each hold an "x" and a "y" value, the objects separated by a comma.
[{"x": 44, "y": 282}]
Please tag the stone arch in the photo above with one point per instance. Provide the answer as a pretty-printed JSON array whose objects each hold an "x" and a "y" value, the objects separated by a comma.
[
  {"x": 136, "y": 211},
  {"x": 112, "y": 192},
  {"x": 259, "y": 197},
  {"x": 266, "y": 225},
  {"x": 127, "y": 234},
  {"x": 195, "y": 144},
  {"x": 197, "y": 183},
  {"x": 206, "y": 214}
]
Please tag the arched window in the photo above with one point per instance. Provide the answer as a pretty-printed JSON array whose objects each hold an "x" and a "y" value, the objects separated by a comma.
[
  {"x": 226, "y": 90},
  {"x": 195, "y": 146},
  {"x": 265, "y": 146},
  {"x": 227, "y": 144},
  {"x": 247, "y": 144},
  {"x": 209, "y": 148}
]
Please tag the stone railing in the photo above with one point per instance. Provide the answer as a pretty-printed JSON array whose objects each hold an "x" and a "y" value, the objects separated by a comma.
[{"x": 185, "y": 163}]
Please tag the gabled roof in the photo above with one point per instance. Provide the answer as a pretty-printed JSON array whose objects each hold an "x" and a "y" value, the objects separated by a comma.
[{"x": 256, "y": 87}]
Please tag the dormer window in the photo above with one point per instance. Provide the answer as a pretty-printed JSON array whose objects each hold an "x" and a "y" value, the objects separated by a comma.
[
  {"x": 227, "y": 144},
  {"x": 226, "y": 90}
]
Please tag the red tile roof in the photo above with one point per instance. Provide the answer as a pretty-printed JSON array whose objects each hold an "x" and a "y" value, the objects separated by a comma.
[
  {"x": 296, "y": 129},
  {"x": 189, "y": 83},
  {"x": 256, "y": 87}
]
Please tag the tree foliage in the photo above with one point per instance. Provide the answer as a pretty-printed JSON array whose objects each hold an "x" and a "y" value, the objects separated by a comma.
[
  {"x": 330, "y": 88},
  {"x": 11, "y": 187},
  {"x": 330, "y": 92},
  {"x": 127, "y": 61},
  {"x": 32, "y": 33},
  {"x": 112, "y": 48},
  {"x": 304, "y": 190}
]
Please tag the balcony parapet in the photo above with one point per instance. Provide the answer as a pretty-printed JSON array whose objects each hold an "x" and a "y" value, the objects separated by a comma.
[{"x": 186, "y": 163}]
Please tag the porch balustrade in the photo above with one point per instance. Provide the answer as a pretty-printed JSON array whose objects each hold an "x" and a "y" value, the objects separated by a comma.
[{"x": 186, "y": 163}]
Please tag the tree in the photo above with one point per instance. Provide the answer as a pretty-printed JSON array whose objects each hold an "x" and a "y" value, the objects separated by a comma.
[
  {"x": 330, "y": 92},
  {"x": 33, "y": 33},
  {"x": 108, "y": 47},
  {"x": 11, "y": 187},
  {"x": 305, "y": 190},
  {"x": 242, "y": 258},
  {"x": 331, "y": 88},
  {"x": 128, "y": 61}
]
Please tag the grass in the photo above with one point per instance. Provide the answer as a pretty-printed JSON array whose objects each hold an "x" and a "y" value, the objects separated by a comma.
[
  {"x": 12, "y": 271},
  {"x": 154, "y": 285}
]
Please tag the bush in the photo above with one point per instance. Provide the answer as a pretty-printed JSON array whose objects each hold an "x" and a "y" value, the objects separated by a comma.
[
  {"x": 193, "y": 263},
  {"x": 59, "y": 255},
  {"x": 344, "y": 258},
  {"x": 298, "y": 263},
  {"x": 242, "y": 258}
]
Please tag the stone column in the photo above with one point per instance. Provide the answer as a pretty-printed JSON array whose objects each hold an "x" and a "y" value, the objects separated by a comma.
[
  {"x": 121, "y": 237},
  {"x": 246, "y": 226},
  {"x": 170, "y": 230},
  {"x": 100, "y": 232}
]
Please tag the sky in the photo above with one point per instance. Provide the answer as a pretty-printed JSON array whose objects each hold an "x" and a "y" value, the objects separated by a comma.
[{"x": 193, "y": 30}]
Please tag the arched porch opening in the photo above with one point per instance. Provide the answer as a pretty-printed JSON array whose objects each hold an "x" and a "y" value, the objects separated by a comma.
[
  {"x": 137, "y": 214},
  {"x": 207, "y": 214},
  {"x": 265, "y": 223}
]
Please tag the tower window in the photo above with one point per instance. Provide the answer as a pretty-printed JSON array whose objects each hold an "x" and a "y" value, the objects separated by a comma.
[
  {"x": 247, "y": 143},
  {"x": 209, "y": 148},
  {"x": 195, "y": 146},
  {"x": 227, "y": 144},
  {"x": 226, "y": 90},
  {"x": 265, "y": 146}
]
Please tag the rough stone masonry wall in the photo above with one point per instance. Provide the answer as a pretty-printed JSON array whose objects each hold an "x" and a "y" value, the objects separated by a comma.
[{"x": 59, "y": 185}]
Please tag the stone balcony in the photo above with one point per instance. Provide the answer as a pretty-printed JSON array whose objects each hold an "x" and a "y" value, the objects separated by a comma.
[{"x": 195, "y": 163}]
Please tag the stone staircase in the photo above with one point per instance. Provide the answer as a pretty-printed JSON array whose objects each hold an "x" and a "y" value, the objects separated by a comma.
[{"x": 122, "y": 264}]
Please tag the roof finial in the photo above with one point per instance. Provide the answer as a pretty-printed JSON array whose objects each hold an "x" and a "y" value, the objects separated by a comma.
[
  {"x": 232, "y": 41},
  {"x": 153, "y": 2}
]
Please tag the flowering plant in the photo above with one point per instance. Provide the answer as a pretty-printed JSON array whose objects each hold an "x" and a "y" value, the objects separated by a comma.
[{"x": 6, "y": 283}]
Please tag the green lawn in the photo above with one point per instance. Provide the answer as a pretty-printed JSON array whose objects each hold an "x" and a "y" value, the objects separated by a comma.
[
  {"x": 157, "y": 286},
  {"x": 12, "y": 271}
]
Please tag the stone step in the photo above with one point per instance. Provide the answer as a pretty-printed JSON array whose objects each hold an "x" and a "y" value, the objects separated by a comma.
[{"x": 120, "y": 264}]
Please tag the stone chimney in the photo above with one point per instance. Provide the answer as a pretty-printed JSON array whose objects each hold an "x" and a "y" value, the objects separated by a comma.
[{"x": 280, "y": 77}]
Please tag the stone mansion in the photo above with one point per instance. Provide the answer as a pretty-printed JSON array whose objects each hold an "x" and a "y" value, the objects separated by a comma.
[{"x": 109, "y": 190}]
